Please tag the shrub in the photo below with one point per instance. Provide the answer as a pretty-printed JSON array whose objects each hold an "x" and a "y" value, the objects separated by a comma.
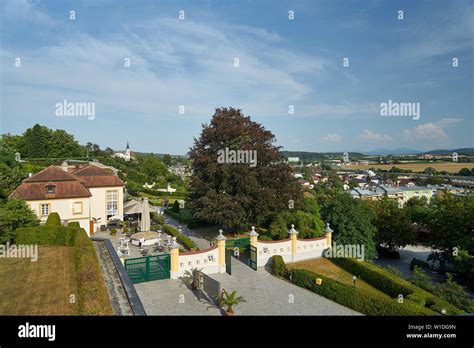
[
  {"x": 92, "y": 296},
  {"x": 418, "y": 263},
  {"x": 125, "y": 230},
  {"x": 393, "y": 285},
  {"x": 187, "y": 242},
  {"x": 157, "y": 218},
  {"x": 74, "y": 224},
  {"x": 41, "y": 235},
  {"x": 113, "y": 231},
  {"x": 278, "y": 266},
  {"x": 375, "y": 276},
  {"x": 418, "y": 298},
  {"x": 53, "y": 220},
  {"x": 71, "y": 233},
  {"x": 358, "y": 299},
  {"x": 176, "y": 208}
]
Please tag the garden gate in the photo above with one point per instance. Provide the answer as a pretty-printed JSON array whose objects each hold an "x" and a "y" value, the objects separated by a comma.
[
  {"x": 145, "y": 269},
  {"x": 253, "y": 257}
]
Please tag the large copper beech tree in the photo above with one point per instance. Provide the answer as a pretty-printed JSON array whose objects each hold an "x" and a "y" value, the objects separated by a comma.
[{"x": 237, "y": 195}]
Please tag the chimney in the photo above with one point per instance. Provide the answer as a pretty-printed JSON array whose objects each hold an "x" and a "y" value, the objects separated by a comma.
[
  {"x": 64, "y": 166},
  {"x": 30, "y": 175}
]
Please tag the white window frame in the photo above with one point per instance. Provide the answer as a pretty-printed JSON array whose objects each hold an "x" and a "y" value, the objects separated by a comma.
[
  {"x": 48, "y": 210},
  {"x": 111, "y": 197}
]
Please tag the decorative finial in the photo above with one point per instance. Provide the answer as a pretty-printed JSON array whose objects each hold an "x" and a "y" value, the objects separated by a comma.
[
  {"x": 174, "y": 244},
  {"x": 292, "y": 230},
  {"x": 221, "y": 236},
  {"x": 328, "y": 229},
  {"x": 253, "y": 233}
]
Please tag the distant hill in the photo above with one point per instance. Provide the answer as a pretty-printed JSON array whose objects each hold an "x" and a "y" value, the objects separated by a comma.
[
  {"x": 159, "y": 155},
  {"x": 395, "y": 152},
  {"x": 318, "y": 156},
  {"x": 462, "y": 151}
]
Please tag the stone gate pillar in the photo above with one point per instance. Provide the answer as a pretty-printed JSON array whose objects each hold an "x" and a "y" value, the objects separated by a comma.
[
  {"x": 329, "y": 232},
  {"x": 253, "y": 237},
  {"x": 174, "y": 260},
  {"x": 221, "y": 251},
  {"x": 294, "y": 239}
]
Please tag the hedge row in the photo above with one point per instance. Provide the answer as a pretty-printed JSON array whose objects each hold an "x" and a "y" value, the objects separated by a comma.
[
  {"x": 174, "y": 215},
  {"x": 187, "y": 242},
  {"x": 358, "y": 299},
  {"x": 92, "y": 296},
  {"x": 47, "y": 235},
  {"x": 393, "y": 285}
]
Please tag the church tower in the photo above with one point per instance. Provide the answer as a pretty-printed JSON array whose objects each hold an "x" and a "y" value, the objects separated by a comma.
[{"x": 127, "y": 152}]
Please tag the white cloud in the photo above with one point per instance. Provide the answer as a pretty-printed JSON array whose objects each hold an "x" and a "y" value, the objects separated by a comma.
[
  {"x": 172, "y": 63},
  {"x": 431, "y": 130},
  {"x": 332, "y": 137},
  {"x": 375, "y": 137}
]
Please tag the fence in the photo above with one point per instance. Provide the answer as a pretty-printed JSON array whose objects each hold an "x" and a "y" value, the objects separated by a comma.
[{"x": 144, "y": 269}]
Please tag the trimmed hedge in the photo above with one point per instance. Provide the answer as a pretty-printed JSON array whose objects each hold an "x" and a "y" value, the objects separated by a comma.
[
  {"x": 92, "y": 296},
  {"x": 358, "y": 299},
  {"x": 53, "y": 220},
  {"x": 41, "y": 235},
  {"x": 375, "y": 276},
  {"x": 187, "y": 242},
  {"x": 74, "y": 224},
  {"x": 178, "y": 216},
  {"x": 393, "y": 285},
  {"x": 278, "y": 266}
]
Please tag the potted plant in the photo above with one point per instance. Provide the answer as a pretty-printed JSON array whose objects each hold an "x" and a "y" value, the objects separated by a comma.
[
  {"x": 192, "y": 277},
  {"x": 230, "y": 301}
]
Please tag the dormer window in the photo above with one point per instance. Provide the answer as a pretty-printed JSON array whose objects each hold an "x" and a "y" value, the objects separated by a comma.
[{"x": 50, "y": 188}]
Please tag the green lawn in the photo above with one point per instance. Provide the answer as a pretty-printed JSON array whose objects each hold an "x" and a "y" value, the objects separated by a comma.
[
  {"x": 43, "y": 287},
  {"x": 326, "y": 268}
]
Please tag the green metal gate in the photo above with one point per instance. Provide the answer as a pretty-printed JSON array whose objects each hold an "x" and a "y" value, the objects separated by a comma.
[
  {"x": 228, "y": 261},
  {"x": 145, "y": 269},
  {"x": 253, "y": 257}
]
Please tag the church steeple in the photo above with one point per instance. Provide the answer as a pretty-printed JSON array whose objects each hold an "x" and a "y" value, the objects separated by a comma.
[{"x": 128, "y": 147}]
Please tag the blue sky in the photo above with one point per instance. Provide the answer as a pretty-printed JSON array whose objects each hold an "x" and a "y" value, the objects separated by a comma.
[{"x": 282, "y": 62}]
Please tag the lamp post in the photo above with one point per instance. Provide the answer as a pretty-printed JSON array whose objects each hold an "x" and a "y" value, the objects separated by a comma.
[{"x": 354, "y": 278}]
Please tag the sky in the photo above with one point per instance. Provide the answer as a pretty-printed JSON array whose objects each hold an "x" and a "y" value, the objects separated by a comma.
[{"x": 316, "y": 79}]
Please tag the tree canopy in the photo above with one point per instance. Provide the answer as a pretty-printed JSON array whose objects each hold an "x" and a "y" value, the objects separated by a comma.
[
  {"x": 351, "y": 219},
  {"x": 236, "y": 195},
  {"x": 394, "y": 228}
]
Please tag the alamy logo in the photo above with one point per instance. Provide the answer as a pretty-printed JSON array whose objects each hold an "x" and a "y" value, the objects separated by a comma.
[
  {"x": 82, "y": 109},
  {"x": 19, "y": 251},
  {"x": 237, "y": 156},
  {"x": 356, "y": 251},
  {"x": 397, "y": 109},
  {"x": 37, "y": 331}
]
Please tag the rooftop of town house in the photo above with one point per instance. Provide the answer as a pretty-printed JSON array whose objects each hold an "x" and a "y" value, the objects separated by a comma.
[
  {"x": 50, "y": 183},
  {"x": 54, "y": 182}
]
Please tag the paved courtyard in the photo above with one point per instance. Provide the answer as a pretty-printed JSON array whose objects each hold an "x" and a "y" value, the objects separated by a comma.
[
  {"x": 264, "y": 293},
  {"x": 172, "y": 297},
  {"x": 268, "y": 295}
]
